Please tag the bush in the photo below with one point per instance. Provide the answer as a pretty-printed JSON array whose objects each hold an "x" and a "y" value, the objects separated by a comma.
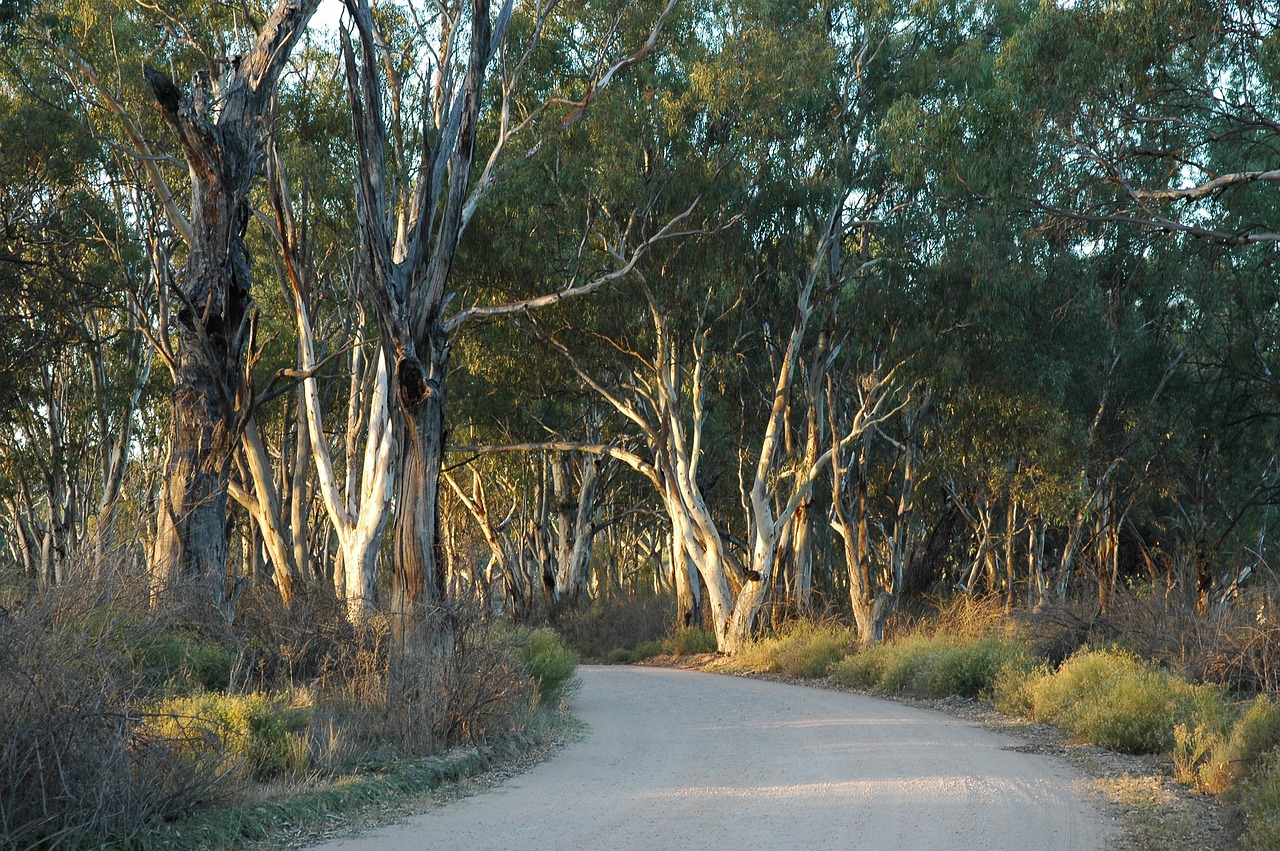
[
  {"x": 182, "y": 661},
  {"x": 73, "y": 769},
  {"x": 933, "y": 667},
  {"x": 1114, "y": 700},
  {"x": 966, "y": 617},
  {"x": 245, "y": 735},
  {"x": 802, "y": 649},
  {"x": 1214, "y": 754},
  {"x": 550, "y": 664},
  {"x": 866, "y": 668},
  {"x": 1260, "y": 804},
  {"x": 471, "y": 684},
  {"x": 691, "y": 640},
  {"x": 614, "y": 622}
]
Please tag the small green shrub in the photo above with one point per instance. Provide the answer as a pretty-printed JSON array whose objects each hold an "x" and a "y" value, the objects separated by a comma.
[
  {"x": 1260, "y": 804},
  {"x": 1257, "y": 731},
  {"x": 1214, "y": 757},
  {"x": 938, "y": 666},
  {"x": 550, "y": 663},
  {"x": 1114, "y": 700},
  {"x": 184, "y": 661},
  {"x": 249, "y": 733},
  {"x": 648, "y": 649},
  {"x": 803, "y": 649},
  {"x": 970, "y": 669},
  {"x": 1134, "y": 715},
  {"x": 692, "y": 640},
  {"x": 866, "y": 668},
  {"x": 1011, "y": 690},
  {"x": 620, "y": 656}
]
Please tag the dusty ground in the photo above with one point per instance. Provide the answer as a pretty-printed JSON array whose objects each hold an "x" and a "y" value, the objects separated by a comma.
[
  {"x": 1136, "y": 794},
  {"x": 681, "y": 759}
]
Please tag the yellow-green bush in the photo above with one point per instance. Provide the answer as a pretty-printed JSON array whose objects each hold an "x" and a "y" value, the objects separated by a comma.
[
  {"x": 802, "y": 649},
  {"x": 866, "y": 668},
  {"x": 1115, "y": 700},
  {"x": 937, "y": 666},
  {"x": 1214, "y": 754},
  {"x": 550, "y": 663},
  {"x": 691, "y": 640},
  {"x": 249, "y": 734},
  {"x": 1260, "y": 804}
]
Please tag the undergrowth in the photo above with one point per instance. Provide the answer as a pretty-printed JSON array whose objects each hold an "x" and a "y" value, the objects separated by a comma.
[
  {"x": 116, "y": 719},
  {"x": 803, "y": 649}
]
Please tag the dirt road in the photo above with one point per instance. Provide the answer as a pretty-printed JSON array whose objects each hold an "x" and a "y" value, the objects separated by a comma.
[{"x": 678, "y": 759}]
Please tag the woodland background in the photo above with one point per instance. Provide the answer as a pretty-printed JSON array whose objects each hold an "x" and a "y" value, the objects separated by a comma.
[{"x": 391, "y": 324}]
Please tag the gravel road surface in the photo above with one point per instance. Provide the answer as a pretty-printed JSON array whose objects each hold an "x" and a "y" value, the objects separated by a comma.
[{"x": 685, "y": 760}]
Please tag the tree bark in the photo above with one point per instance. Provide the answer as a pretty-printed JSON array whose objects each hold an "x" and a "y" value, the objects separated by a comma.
[{"x": 220, "y": 133}]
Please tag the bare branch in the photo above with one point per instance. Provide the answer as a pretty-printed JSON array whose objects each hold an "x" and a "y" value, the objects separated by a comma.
[
  {"x": 667, "y": 232},
  {"x": 1208, "y": 187}
]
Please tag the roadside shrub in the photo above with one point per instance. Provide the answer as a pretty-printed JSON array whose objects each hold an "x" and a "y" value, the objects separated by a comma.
[
  {"x": 866, "y": 668},
  {"x": 1260, "y": 804},
  {"x": 940, "y": 666},
  {"x": 1213, "y": 755},
  {"x": 246, "y": 735},
  {"x": 550, "y": 664},
  {"x": 691, "y": 640},
  {"x": 468, "y": 684},
  {"x": 73, "y": 771},
  {"x": 1114, "y": 700},
  {"x": 969, "y": 669},
  {"x": 613, "y": 622},
  {"x": 803, "y": 649},
  {"x": 967, "y": 617},
  {"x": 306, "y": 641},
  {"x": 647, "y": 650}
]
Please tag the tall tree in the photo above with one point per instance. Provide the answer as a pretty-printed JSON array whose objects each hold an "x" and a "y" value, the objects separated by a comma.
[{"x": 220, "y": 128}]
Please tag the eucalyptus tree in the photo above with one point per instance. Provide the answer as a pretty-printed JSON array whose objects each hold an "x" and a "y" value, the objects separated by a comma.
[
  {"x": 206, "y": 315},
  {"x": 73, "y": 368},
  {"x": 417, "y": 132},
  {"x": 1156, "y": 136}
]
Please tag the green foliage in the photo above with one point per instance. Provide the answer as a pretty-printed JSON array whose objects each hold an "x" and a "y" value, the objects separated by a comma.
[
  {"x": 1114, "y": 700},
  {"x": 1213, "y": 754},
  {"x": 938, "y": 666},
  {"x": 1260, "y": 804},
  {"x": 645, "y": 650},
  {"x": 691, "y": 640},
  {"x": 183, "y": 661},
  {"x": 550, "y": 663},
  {"x": 804, "y": 649},
  {"x": 240, "y": 734}
]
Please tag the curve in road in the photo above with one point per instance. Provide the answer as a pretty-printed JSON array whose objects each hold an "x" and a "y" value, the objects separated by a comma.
[{"x": 682, "y": 760}]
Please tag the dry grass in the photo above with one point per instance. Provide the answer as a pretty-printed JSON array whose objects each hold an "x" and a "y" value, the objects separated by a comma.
[{"x": 74, "y": 769}]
